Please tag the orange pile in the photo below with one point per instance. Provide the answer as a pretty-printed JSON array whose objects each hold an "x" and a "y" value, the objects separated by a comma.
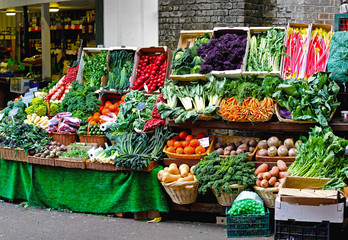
[{"x": 185, "y": 144}]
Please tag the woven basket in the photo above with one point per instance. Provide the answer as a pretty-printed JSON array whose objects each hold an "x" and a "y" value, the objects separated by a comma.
[
  {"x": 268, "y": 195},
  {"x": 14, "y": 154},
  {"x": 101, "y": 166},
  {"x": 64, "y": 139},
  {"x": 98, "y": 139},
  {"x": 226, "y": 139},
  {"x": 281, "y": 119},
  {"x": 189, "y": 157},
  {"x": 227, "y": 199},
  {"x": 71, "y": 162},
  {"x": 205, "y": 117},
  {"x": 182, "y": 192},
  {"x": 41, "y": 161}
]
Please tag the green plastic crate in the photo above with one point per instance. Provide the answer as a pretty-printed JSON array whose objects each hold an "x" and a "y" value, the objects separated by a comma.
[{"x": 247, "y": 225}]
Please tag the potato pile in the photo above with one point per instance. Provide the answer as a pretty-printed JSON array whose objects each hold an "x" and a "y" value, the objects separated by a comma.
[
  {"x": 236, "y": 148},
  {"x": 274, "y": 147},
  {"x": 175, "y": 174},
  {"x": 271, "y": 178}
]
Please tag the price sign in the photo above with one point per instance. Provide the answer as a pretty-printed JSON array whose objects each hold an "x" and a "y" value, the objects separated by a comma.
[
  {"x": 204, "y": 142},
  {"x": 13, "y": 112},
  {"x": 33, "y": 89},
  {"x": 146, "y": 88},
  {"x": 28, "y": 94},
  {"x": 27, "y": 99},
  {"x": 141, "y": 106},
  {"x": 1, "y": 116}
]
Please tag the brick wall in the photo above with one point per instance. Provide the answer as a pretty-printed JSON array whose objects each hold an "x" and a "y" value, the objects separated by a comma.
[{"x": 176, "y": 15}]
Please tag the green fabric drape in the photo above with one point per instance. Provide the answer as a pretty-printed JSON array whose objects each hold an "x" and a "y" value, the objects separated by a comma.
[
  {"x": 82, "y": 190},
  {"x": 15, "y": 179}
]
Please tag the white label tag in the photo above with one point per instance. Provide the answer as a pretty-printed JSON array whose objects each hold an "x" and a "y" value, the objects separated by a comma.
[
  {"x": 33, "y": 89},
  {"x": 204, "y": 142},
  {"x": 1, "y": 116},
  {"x": 27, "y": 99},
  {"x": 28, "y": 94},
  {"x": 13, "y": 112},
  {"x": 146, "y": 88},
  {"x": 141, "y": 106}
]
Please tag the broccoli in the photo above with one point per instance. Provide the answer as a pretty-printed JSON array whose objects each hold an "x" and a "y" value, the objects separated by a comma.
[
  {"x": 41, "y": 110},
  {"x": 29, "y": 110},
  {"x": 53, "y": 108}
]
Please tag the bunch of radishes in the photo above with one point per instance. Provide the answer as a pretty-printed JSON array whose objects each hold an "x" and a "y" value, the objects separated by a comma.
[
  {"x": 151, "y": 72},
  {"x": 57, "y": 93}
]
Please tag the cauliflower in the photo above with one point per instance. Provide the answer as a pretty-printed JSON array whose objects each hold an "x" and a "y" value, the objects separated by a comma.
[
  {"x": 53, "y": 108},
  {"x": 37, "y": 101},
  {"x": 29, "y": 110},
  {"x": 41, "y": 110}
]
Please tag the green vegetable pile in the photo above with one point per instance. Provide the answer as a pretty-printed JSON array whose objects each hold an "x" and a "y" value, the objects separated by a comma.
[
  {"x": 121, "y": 68},
  {"x": 75, "y": 153},
  {"x": 128, "y": 117},
  {"x": 220, "y": 173},
  {"x": 186, "y": 61},
  {"x": 21, "y": 115},
  {"x": 323, "y": 156},
  {"x": 312, "y": 100},
  {"x": 266, "y": 50},
  {"x": 38, "y": 106},
  {"x": 81, "y": 101},
  {"x": 24, "y": 136},
  {"x": 246, "y": 206},
  {"x": 95, "y": 68},
  {"x": 136, "y": 151},
  {"x": 93, "y": 130}
]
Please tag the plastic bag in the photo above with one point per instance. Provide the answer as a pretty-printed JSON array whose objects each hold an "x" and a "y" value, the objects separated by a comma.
[
  {"x": 247, "y": 203},
  {"x": 72, "y": 121},
  {"x": 65, "y": 128}
]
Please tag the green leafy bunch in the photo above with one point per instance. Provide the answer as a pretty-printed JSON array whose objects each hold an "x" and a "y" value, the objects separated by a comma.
[{"x": 95, "y": 68}]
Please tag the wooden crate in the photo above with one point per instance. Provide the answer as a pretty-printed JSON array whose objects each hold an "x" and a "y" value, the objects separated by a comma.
[
  {"x": 41, "y": 161},
  {"x": 112, "y": 167}
]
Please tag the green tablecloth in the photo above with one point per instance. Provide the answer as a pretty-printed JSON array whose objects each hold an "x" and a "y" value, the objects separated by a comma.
[{"x": 82, "y": 190}]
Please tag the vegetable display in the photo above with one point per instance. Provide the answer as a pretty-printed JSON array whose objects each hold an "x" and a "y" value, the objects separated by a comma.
[
  {"x": 323, "y": 155},
  {"x": 173, "y": 173},
  {"x": 266, "y": 50},
  {"x": 271, "y": 178},
  {"x": 296, "y": 45},
  {"x": 186, "y": 61},
  {"x": 93, "y": 130},
  {"x": 151, "y": 72},
  {"x": 64, "y": 123},
  {"x": 59, "y": 91},
  {"x": 20, "y": 105},
  {"x": 220, "y": 173},
  {"x": 312, "y": 100},
  {"x": 105, "y": 156},
  {"x": 224, "y": 53},
  {"x": 275, "y": 147},
  {"x": 246, "y": 206},
  {"x": 318, "y": 52},
  {"x": 95, "y": 68},
  {"x": 236, "y": 148},
  {"x": 53, "y": 150},
  {"x": 121, "y": 67},
  {"x": 75, "y": 153},
  {"x": 34, "y": 119},
  {"x": 37, "y": 106},
  {"x": 186, "y": 144}
]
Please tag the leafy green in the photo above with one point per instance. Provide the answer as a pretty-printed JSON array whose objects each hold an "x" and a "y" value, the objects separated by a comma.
[
  {"x": 220, "y": 173},
  {"x": 75, "y": 153},
  {"x": 21, "y": 115},
  {"x": 95, "y": 68}
]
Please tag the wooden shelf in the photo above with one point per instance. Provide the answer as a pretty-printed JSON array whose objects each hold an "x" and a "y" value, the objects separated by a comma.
[
  {"x": 336, "y": 125},
  {"x": 199, "y": 207},
  {"x": 190, "y": 162},
  {"x": 32, "y": 65}
]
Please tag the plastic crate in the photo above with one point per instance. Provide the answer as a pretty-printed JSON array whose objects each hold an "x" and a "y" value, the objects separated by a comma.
[
  {"x": 247, "y": 225},
  {"x": 285, "y": 230},
  {"x": 19, "y": 85}
]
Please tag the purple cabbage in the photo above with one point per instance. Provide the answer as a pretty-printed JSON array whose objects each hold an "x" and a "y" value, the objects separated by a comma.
[{"x": 224, "y": 53}]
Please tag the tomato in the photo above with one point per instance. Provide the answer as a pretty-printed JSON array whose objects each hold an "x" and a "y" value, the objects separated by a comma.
[
  {"x": 199, "y": 150},
  {"x": 201, "y": 135},
  {"x": 176, "y": 138},
  {"x": 96, "y": 114},
  {"x": 101, "y": 109},
  {"x": 183, "y": 134},
  {"x": 185, "y": 144},
  {"x": 189, "y": 138},
  {"x": 180, "y": 151},
  {"x": 107, "y": 103},
  {"x": 189, "y": 150},
  {"x": 93, "y": 123},
  {"x": 170, "y": 143},
  {"x": 194, "y": 143},
  {"x": 90, "y": 118},
  {"x": 171, "y": 149},
  {"x": 105, "y": 111},
  {"x": 177, "y": 144},
  {"x": 112, "y": 108}
]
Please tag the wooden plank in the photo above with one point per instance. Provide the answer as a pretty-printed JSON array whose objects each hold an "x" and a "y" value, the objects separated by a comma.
[
  {"x": 199, "y": 207},
  {"x": 257, "y": 126},
  {"x": 190, "y": 162},
  {"x": 270, "y": 164}
]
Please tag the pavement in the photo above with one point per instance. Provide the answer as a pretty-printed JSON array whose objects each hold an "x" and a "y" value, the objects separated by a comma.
[{"x": 19, "y": 222}]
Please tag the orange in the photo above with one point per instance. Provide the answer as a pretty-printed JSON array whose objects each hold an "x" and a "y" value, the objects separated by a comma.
[
  {"x": 176, "y": 138},
  {"x": 170, "y": 143},
  {"x": 195, "y": 143},
  {"x": 180, "y": 151},
  {"x": 101, "y": 109},
  {"x": 171, "y": 149},
  {"x": 189, "y": 150},
  {"x": 107, "y": 103},
  {"x": 189, "y": 138},
  {"x": 177, "y": 144},
  {"x": 200, "y": 150},
  {"x": 112, "y": 108},
  {"x": 201, "y": 135},
  {"x": 185, "y": 144},
  {"x": 183, "y": 134}
]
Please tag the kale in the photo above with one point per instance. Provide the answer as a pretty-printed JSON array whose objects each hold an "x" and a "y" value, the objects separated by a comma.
[{"x": 95, "y": 68}]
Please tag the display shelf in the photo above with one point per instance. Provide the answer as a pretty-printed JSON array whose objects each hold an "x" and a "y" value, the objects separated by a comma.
[
  {"x": 270, "y": 164},
  {"x": 66, "y": 27},
  {"x": 189, "y": 162},
  {"x": 335, "y": 124},
  {"x": 199, "y": 207},
  {"x": 32, "y": 65}
]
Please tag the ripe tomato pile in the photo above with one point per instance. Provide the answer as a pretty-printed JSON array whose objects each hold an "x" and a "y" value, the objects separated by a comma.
[
  {"x": 185, "y": 144},
  {"x": 104, "y": 109},
  {"x": 151, "y": 71}
]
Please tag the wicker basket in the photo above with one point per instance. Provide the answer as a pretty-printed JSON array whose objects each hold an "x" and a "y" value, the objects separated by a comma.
[
  {"x": 99, "y": 139},
  {"x": 226, "y": 139},
  {"x": 101, "y": 166},
  {"x": 190, "y": 157},
  {"x": 71, "y": 162},
  {"x": 41, "y": 161},
  {"x": 268, "y": 195},
  {"x": 182, "y": 192},
  {"x": 281, "y": 119},
  {"x": 227, "y": 199},
  {"x": 14, "y": 154},
  {"x": 205, "y": 117},
  {"x": 64, "y": 139}
]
